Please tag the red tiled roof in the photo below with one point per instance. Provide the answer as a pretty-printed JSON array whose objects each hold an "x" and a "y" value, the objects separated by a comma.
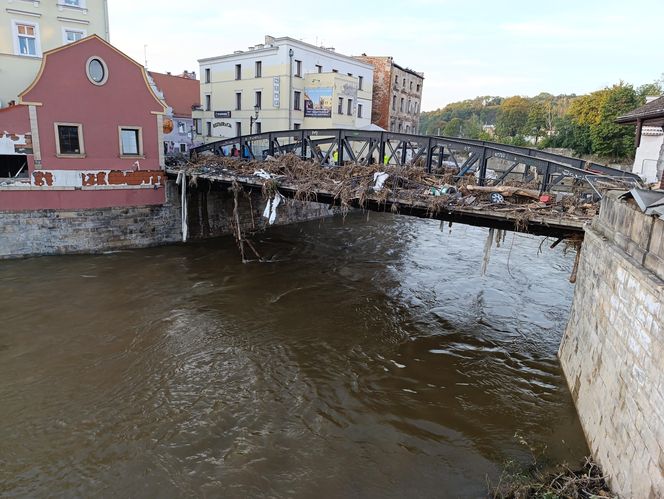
[{"x": 180, "y": 93}]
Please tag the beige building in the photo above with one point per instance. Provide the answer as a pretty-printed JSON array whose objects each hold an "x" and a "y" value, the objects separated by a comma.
[
  {"x": 282, "y": 84},
  {"x": 28, "y": 28}
]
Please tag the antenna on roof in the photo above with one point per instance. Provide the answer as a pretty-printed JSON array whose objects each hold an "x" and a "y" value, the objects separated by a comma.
[{"x": 145, "y": 55}]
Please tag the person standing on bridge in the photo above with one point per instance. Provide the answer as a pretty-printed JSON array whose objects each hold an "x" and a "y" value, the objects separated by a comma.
[
  {"x": 335, "y": 157},
  {"x": 386, "y": 159}
]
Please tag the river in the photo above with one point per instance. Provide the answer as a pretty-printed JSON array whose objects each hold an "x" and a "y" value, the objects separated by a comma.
[{"x": 368, "y": 358}]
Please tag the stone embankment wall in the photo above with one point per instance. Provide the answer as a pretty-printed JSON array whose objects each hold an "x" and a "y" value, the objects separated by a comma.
[
  {"x": 210, "y": 212},
  {"x": 613, "y": 349}
]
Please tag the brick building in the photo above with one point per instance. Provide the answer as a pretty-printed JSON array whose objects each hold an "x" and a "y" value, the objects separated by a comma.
[{"x": 397, "y": 95}]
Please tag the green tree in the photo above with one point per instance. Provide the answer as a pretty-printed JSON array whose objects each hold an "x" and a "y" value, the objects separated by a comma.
[
  {"x": 453, "y": 128},
  {"x": 512, "y": 117},
  {"x": 608, "y": 137},
  {"x": 536, "y": 125}
]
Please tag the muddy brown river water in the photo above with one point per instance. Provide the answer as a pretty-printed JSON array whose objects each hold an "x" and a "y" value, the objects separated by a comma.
[{"x": 366, "y": 359}]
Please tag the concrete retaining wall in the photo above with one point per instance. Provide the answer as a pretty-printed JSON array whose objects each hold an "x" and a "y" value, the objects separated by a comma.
[
  {"x": 52, "y": 232},
  {"x": 613, "y": 349}
]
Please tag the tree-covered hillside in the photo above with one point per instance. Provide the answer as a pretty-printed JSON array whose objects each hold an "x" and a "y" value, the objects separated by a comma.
[{"x": 585, "y": 123}]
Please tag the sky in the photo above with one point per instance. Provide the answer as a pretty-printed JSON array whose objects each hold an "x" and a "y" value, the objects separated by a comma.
[{"x": 464, "y": 48}]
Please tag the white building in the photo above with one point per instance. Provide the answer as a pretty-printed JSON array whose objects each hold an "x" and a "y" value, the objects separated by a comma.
[
  {"x": 649, "y": 121},
  {"x": 283, "y": 84}
]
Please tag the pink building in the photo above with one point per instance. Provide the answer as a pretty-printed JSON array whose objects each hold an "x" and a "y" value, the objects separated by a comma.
[{"x": 86, "y": 134}]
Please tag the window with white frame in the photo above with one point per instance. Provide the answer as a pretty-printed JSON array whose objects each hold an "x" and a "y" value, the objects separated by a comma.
[
  {"x": 73, "y": 3},
  {"x": 181, "y": 128},
  {"x": 359, "y": 110},
  {"x": 70, "y": 35},
  {"x": 26, "y": 39},
  {"x": 69, "y": 139},
  {"x": 131, "y": 141}
]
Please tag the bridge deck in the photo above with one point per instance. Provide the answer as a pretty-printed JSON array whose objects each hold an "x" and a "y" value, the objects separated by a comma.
[{"x": 521, "y": 218}]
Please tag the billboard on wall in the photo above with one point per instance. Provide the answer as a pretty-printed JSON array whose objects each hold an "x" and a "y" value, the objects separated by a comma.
[{"x": 318, "y": 102}]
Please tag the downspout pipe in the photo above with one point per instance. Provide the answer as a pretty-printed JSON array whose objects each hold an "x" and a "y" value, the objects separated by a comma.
[{"x": 290, "y": 87}]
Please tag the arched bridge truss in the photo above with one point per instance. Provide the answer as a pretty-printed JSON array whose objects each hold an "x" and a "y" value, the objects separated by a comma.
[{"x": 433, "y": 153}]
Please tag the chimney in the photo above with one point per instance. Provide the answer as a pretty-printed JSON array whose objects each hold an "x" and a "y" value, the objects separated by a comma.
[{"x": 269, "y": 40}]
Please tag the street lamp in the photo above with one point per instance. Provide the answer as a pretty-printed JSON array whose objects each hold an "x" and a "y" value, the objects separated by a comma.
[{"x": 253, "y": 119}]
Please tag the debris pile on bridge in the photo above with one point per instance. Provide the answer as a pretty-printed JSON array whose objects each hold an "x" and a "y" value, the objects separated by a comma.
[{"x": 353, "y": 185}]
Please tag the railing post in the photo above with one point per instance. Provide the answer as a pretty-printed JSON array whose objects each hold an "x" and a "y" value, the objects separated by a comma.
[
  {"x": 429, "y": 154},
  {"x": 403, "y": 153},
  {"x": 270, "y": 148},
  {"x": 381, "y": 149},
  {"x": 483, "y": 164},
  {"x": 441, "y": 156},
  {"x": 545, "y": 180},
  {"x": 303, "y": 145},
  {"x": 340, "y": 148}
]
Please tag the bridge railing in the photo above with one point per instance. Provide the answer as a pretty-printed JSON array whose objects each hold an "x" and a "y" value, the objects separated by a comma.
[{"x": 336, "y": 146}]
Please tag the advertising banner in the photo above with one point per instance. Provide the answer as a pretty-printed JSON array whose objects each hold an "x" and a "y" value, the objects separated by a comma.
[{"x": 318, "y": 102}]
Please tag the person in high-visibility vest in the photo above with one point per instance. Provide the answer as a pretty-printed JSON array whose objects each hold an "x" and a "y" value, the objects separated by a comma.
[
  {"x": 386, "y": 159},
  {"x": 335, "y": 156}
]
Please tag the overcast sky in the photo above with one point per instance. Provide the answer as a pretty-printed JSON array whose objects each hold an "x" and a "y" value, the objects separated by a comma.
[{"x": 465, "y": 48}]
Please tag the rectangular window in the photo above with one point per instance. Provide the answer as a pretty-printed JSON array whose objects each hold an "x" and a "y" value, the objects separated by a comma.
[
  {"x": 258, "y": 127},
  {"x": 238, "y": 128},
  {"x": 298, "y": 68},
  {"x": 73, "y": 3},
  {"x": 319, "y": 68},
  {"x": 259, "y": 99},
  {"x": 208, "y": 102},
  {"x": 181, "y": 128},
  {"x": 396, "y": 79},
  {"x": 27, "y": 39},
  {"x": 296, "y": 126},
  {"x": 418, "y": 87},
  {"x": 340, "y": 109},
  {"x": 183, "y": 148},
  {"x": 411, "y": 85},
  {"x": 401, "y": 105},
  {"x": 72, "y": 35},
  {"x": 207, "y": 75},
  {"x": 359, "y": 110},
  {"x": 69, "y": 139},
  {"x": 404, "y": 83},
  {"x": 131, "y": 141},
  {"x": 209, "y": 128},
  {"x": 296, "y": 100},
  {"x": 394, "y": 103},
  {"x": 197, "y": 125},
  {"x": 238, "y": 71},
  {"x": 350, "y": 107},
  {"x": 360, "y": 81},
  {"x": 259, "y": 69},
  {"x": 238, "y": 101}
]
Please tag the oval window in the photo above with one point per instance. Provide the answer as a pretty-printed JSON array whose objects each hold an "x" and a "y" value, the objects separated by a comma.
[{"x": 97, "y": 71}]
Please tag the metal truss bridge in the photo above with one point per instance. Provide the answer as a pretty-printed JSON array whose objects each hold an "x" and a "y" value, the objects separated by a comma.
[{"x": 430, "y": 152}]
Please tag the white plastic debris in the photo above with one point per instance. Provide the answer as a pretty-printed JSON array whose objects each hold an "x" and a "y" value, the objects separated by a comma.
[
  {"x": 182, "y": 182},
  {"x": 270, "y": 211},
  {"x": 490, "y": 174},
  {"x": 379, "y": 180},
  {"x": 262, "y": 174}
]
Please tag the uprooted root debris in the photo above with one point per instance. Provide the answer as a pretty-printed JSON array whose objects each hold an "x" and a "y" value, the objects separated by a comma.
[{"x": 353, "y": 185}]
